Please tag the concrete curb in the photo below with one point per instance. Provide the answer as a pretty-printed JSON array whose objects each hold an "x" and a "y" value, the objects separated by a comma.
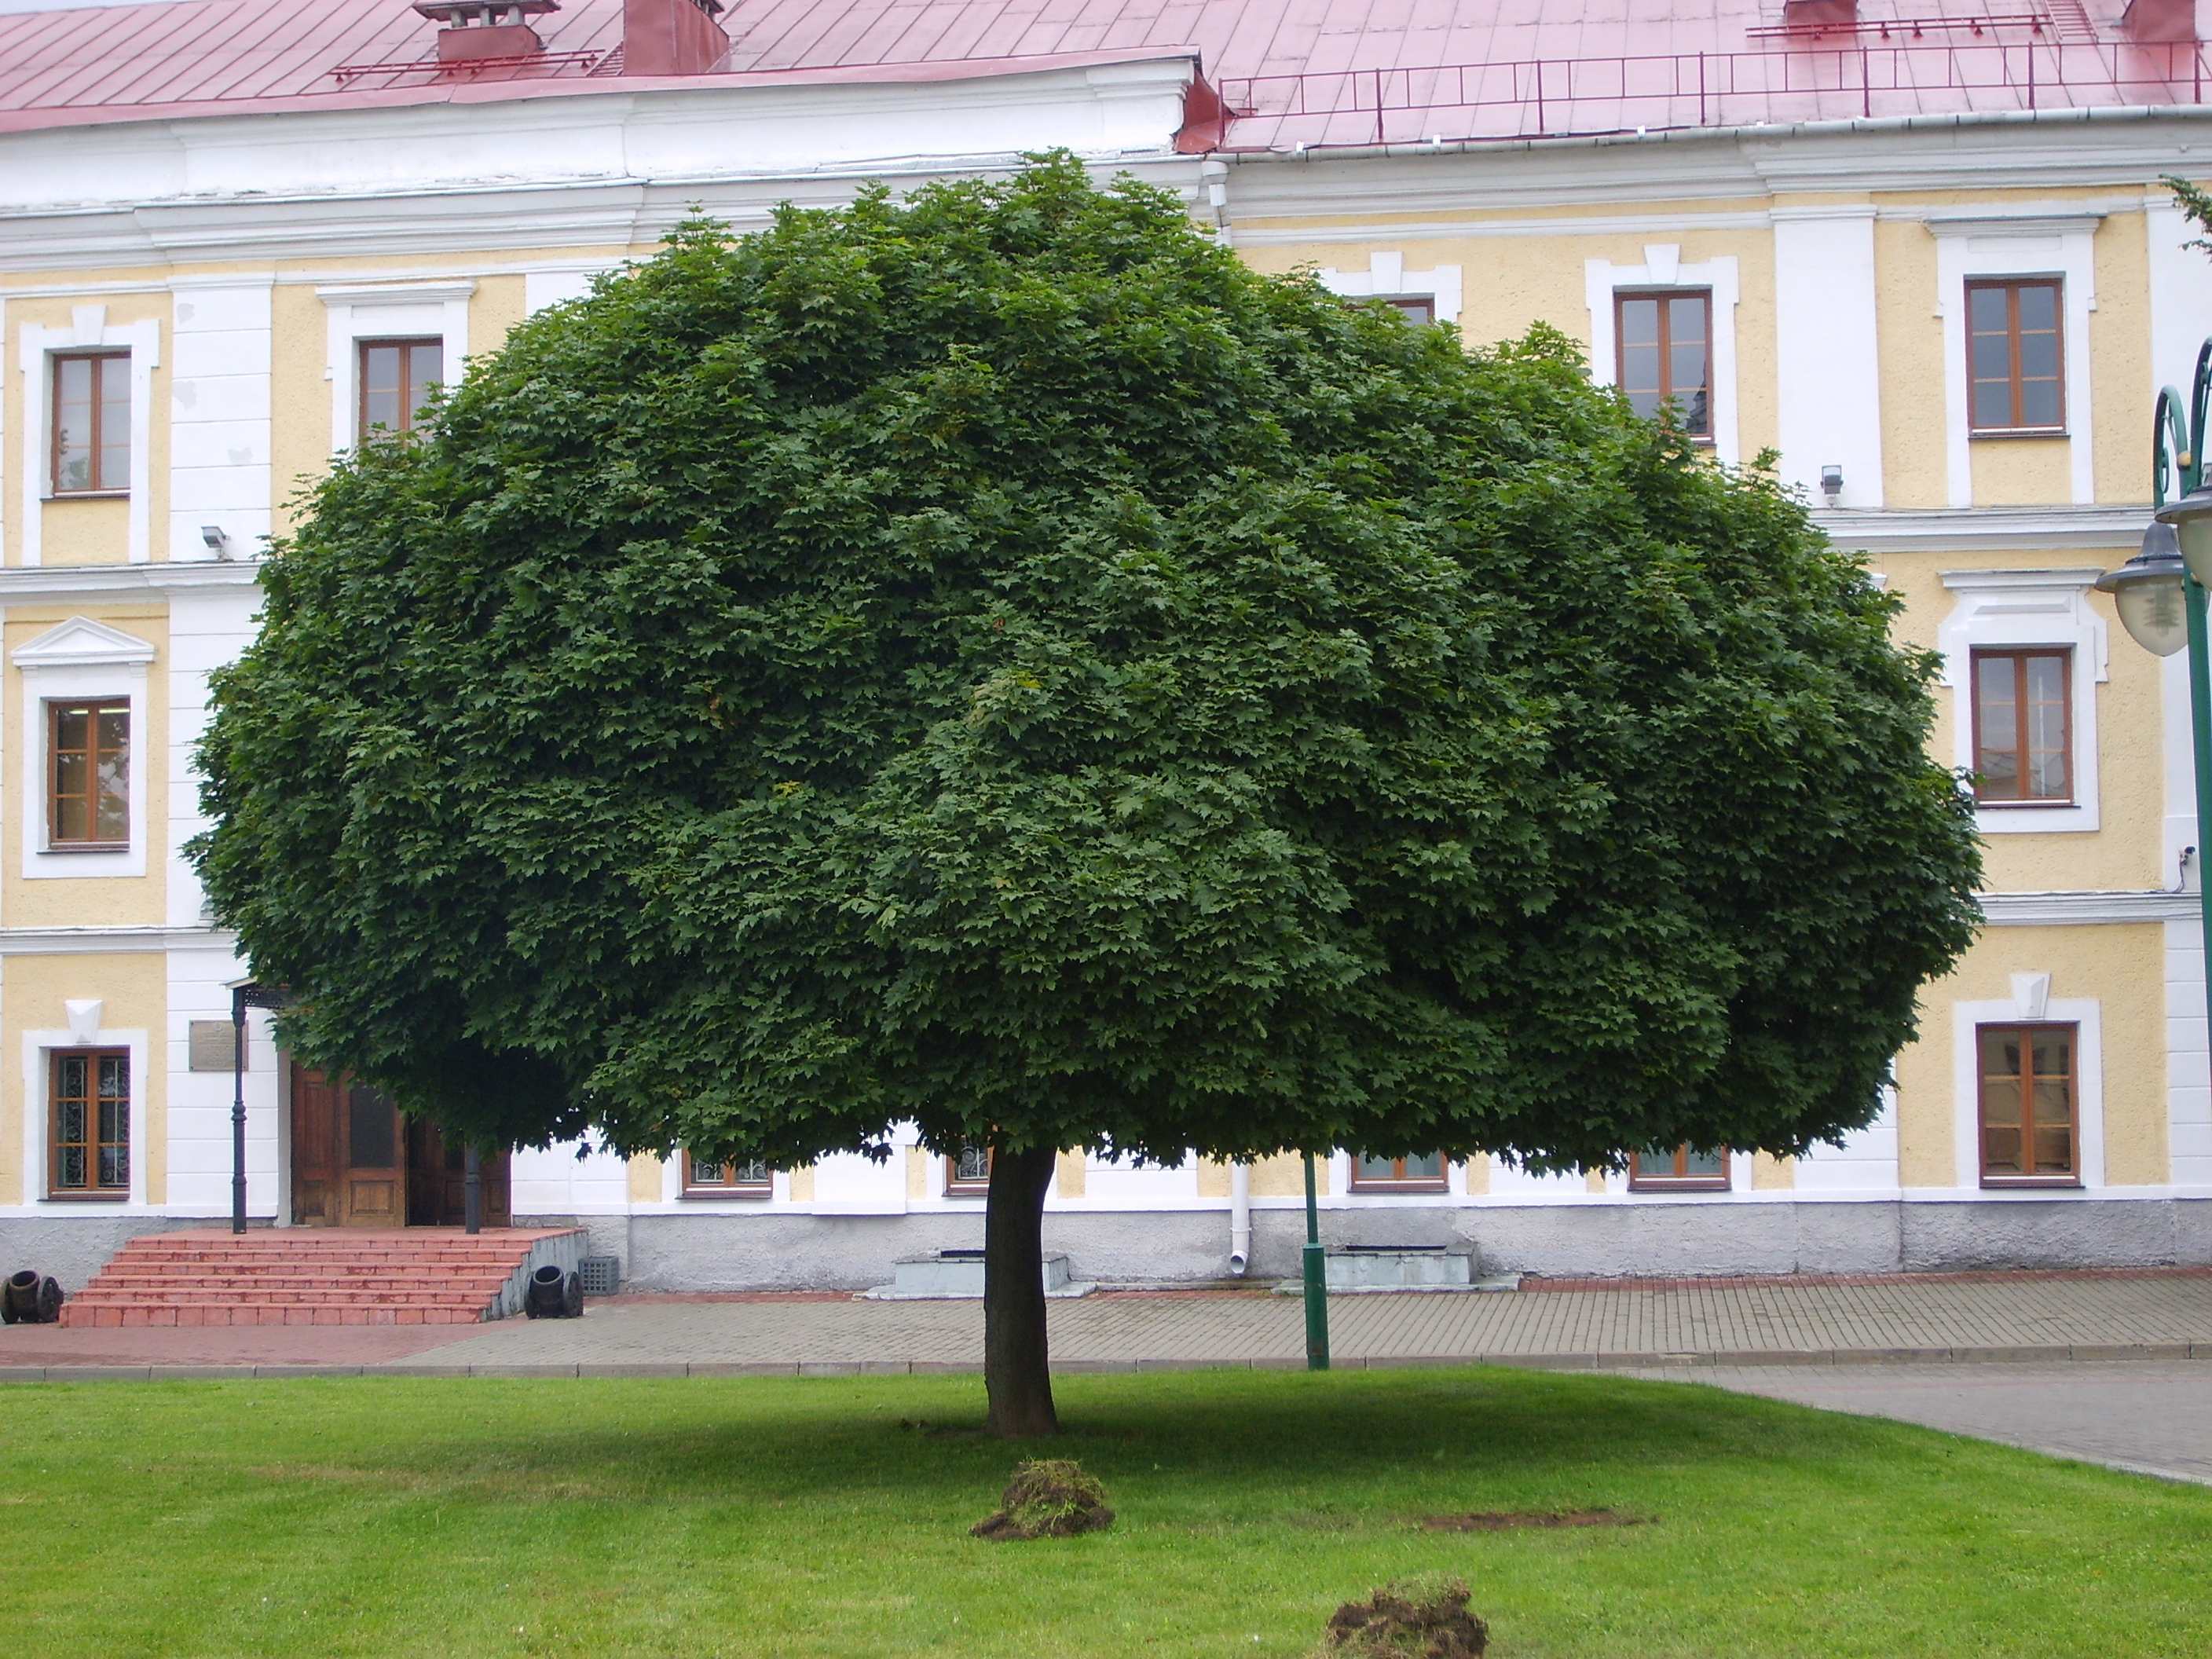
[{"x": 1580, "y": 1362}]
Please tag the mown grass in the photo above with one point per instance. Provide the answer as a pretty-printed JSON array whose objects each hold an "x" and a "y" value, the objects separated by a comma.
[{"x": 830, "y": 1517}]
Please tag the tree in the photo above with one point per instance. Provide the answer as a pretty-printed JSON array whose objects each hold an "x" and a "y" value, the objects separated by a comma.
[{"x": 993, "y": 660}]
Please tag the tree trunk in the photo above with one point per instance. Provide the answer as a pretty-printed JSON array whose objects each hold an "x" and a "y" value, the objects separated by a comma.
[{"x": 1017, "y": 1363}]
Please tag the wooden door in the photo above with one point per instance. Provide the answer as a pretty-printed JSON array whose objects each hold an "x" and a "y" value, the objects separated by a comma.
[
  {"x": 349, "y": 1155},
  {"x": 437, "y": 1182},
  {"x": 314, "y": 1150},
  {"x": 373, "y": 1184}
]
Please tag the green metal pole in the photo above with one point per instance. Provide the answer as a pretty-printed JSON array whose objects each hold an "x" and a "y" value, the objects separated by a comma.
[
  {"x": 2189, "y": 464},
  {"x": 1316, "y": 1265}
]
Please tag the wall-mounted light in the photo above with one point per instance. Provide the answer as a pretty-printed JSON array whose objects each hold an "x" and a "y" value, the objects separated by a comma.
[
  {"x": 217, "y": 542},
  {"x": 1831, "y": 483}
]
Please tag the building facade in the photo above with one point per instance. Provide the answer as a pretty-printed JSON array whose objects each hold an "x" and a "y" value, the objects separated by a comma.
[{"x": 1942, "y": 301}]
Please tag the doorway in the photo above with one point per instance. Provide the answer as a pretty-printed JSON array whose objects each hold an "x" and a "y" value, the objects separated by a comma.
[{"x": 356, "y": 1162}]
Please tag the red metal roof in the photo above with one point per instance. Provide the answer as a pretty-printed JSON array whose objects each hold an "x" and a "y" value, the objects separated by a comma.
[{"x": 1295, "y": 71}]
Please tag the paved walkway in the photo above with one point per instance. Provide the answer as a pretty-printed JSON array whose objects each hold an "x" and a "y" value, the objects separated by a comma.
[
  {"x": 1943, "y": 1319},
  {"x": 2153, "y": 1417}
]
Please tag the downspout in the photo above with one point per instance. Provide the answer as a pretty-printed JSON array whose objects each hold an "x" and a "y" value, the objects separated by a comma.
[{"x": 1240, "y": 1218}]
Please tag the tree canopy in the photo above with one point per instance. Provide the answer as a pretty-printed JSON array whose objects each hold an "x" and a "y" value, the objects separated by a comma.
[{"x": 993, "y": 660}]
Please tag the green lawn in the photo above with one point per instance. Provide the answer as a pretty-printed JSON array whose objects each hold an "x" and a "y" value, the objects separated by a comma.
[{"x": 398, "y": 1516}]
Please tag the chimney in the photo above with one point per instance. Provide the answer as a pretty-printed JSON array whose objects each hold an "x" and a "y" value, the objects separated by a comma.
[
  {"x": 672, "y": 36},
  {"x": 477, "y": 29},
  {"x": 1819, "y": 14},
  {"x": 2160, "y": 20}
]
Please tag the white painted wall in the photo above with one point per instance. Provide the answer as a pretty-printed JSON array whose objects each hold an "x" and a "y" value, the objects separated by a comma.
[{"x": 1828, "y": 371}]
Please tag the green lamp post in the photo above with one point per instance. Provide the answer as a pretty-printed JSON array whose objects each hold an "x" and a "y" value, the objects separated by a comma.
[
  {"x": 1316, "y": 1263},
  {"x": 2161, "y": 593}
]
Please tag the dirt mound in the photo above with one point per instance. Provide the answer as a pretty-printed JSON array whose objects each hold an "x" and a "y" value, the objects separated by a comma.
[
  {"x": 1504, "y": 1521},
  {"x": 1049, "y": 1498},
  {"x": 1408, "y": 1622}
]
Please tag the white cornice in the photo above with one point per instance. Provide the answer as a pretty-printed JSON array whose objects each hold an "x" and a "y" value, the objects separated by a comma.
[
  {"x": 2080, "y": 910},
  {"x": 393, "y": 294},
  {"x": 1986, "y": 530},
  {"x": 100, "y": 941},
  {"x": 67, "y": 584}
]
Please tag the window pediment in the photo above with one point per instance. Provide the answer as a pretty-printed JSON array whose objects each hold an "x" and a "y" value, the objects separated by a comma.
[{"x": 81, "y": 642}]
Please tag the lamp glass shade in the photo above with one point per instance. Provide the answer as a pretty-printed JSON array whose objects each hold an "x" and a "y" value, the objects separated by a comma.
[
  {"x": 2152, "y": 612},
  {"x": 2192, "y": 519}
]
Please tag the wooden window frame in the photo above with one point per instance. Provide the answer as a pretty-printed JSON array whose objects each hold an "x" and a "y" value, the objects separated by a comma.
[
  {"x": 56, "y": 707},
  {"x": 1621, "y": 296},
  {"x": 2012, "y": 285},
  {"x": 1398, "y": 1181},
  {"x": 93, "y": 1143},
  {"x": 959, "y": 1186},
  {"x": 1676, "y": 1178},
  {"x": 100, "y": 486},
  {"x": 698, "y": 1185},
  {"x": 2019, "y": 655},
  {"x": 2027, "y": 1027},
  {"x": 408, "y": 397}
]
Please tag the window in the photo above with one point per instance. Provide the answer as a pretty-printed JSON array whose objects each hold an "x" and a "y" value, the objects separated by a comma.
[
  {"x": 1424, "y": 1172},
  {"x": 2015, "y": 380},
  {"x": 2029, "y": 1136},
  {"x": 396, "y": 376},
  {"x": 1664, "y": 347},
  {"x": 968, "y": 1172},
  {"x": 749, "y": 1180},
  {"x": 2023, "y": 750},
  {"x": 1413, "y": 308},
  {"x": 1677, "y": 1170},
  {"x": 90, "y": 1103},
  {"x": 92, "y": 423},
  {"x": 88, "y": 775}
]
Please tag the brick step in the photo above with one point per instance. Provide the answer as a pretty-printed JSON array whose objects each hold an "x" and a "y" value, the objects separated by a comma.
[
  {"x": 473, "y": 1296},
  {"x": 299, "y": 1281},
  {"x": 111, "y": 1318},
  {"x": 301, "y": 1277}
]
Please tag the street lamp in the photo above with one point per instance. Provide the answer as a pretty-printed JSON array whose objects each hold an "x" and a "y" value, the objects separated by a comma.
[
  {"x": 244, "y": 995},
  {"x": 2160, "y": 593}
]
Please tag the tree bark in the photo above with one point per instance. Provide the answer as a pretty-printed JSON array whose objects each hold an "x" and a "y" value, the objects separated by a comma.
[{"x": 1016, "y": 1360}]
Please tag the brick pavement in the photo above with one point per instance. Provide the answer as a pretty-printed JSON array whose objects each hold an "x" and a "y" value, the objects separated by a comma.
[{"x": 1943, "y": 1318}]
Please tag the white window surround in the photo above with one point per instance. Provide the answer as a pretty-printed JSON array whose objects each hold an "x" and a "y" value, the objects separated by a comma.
[
  {"x": 1340, "y": 1185},
  {"x": 387, "y": 311},
  {"x": 38, "y": 1120},
  {"x": 1662, "y": 268},
  {"x": 1387, "y": 278},
  {"x": 80, "y": 658},
  {"x": 90, "y": 330},
  {"x": 2032, "y": 1004},
  {"x": 2063, "y": 246},
  {"x": 2004, "y": 608}
]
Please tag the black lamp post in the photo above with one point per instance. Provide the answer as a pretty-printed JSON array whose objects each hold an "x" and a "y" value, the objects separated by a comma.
[{"x": 242, "y": 997}]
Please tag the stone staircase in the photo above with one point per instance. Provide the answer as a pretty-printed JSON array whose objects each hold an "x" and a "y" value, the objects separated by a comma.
[{"x": 318, "y": 1276}]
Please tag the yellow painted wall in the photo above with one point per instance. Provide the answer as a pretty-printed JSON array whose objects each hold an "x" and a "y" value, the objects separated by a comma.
[
  {"x": 32, "y": 991},
  {"x": 2127, "y": 852},
  {"x": 1770, "y": 1173},
  {"x": 2121, "y": 967},
  {"x": 647, "y": 1178},
  {"x": 85, "y": 532},
  {"x": 1284, "y": 1176},
  {"x": 84, "y": 526},
  {"x": 1909, "y": 338},
  {"x": 299, "y": 394},
  {"x": 2119, "y": 348},
  {"x": 1069, "y": 1171},
  {"x": 2021, "y": 472},
  {"x": 802, "y": 1185},
  {"x": 64, "y": 902}
]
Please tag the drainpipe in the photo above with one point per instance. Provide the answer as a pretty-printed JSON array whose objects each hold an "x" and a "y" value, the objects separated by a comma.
[{"x": 1240, "y": 1218}]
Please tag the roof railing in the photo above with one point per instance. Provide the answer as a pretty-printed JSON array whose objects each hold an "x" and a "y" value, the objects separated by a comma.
[{"x": 1588, "y": 96}]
